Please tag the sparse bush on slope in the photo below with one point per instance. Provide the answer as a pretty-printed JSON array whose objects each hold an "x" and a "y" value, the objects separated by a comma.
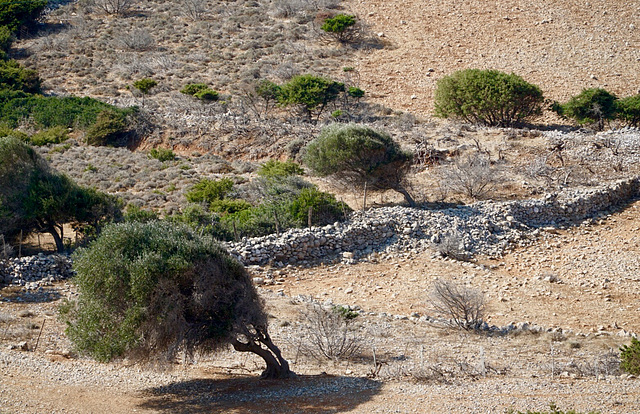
[{"x": 342, "y": 27}]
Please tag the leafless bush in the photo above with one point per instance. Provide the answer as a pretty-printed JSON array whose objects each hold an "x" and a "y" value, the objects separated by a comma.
[
  {"x": 464, "y": 306},
  {"x": 330, "y": 335},
  {"x": 607, "y": 363},
  {"x": 6, "y": 250},
  {"x": 539, "y": 168},
  {"x": 452, "y": 246},
  {"x": 116, "y": 7},
  {"x": 193, "y": 9},
  {"x": 473, "y": 176},
  {"x": 138, "y": 40}
]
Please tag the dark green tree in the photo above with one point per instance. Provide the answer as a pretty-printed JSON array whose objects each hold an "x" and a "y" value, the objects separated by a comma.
[
  {"x": 487, "y": 97},
  {"x": 16, "y": 78},
  {"x": 154, "y": 290},
  {"x": 34, "y": 197},
  {"x": 592, "y": 106},
  {"x": 358, "y": 155},
  {"x": 17, "y": 13},
  {"x": 311, "y": 93}
]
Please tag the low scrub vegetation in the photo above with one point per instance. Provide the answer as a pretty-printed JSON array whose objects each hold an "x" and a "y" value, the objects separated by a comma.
[
  {"x": 200, "y": 91},
  {"x": 277, "y": 201}
]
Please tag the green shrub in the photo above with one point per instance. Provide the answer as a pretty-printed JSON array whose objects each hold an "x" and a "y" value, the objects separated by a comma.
[
  {"x": 358, "y": 155},
  {"x": 628, "y": 110},
  {"x": 51, "y": 111},
  {"x": 207, "y": 95},
  {"x": 341, "y": 27},
  {"x": 228, "y": 206},
  {"x": 355, "y": 92},
  {"x": 6, "y": 38},
  {"x": 109, "y": 128},
  {"x": 200, "y": 91},
  {"x": 15, "y": 77},
  {"x": 135, "y": 213},
  {"x": 53, "y": 135},
  {"x": 325, "y": 209},
  {"x": 311, "y": 93},
  {"x": 9, "y": 132},
  {"x": 200, "y": 220},
  {"x": 630, "y": 357},
  {"x": 344, "y": 312},
  {"x": 208, "y": 191},
  {"x": 591, "y": 107},
  {"x": 487, "y": 97},
  {"x": 279, "y": 169},
  {"x": 256, "y": 221},
  {"x": 145, "y": 85},
  {"x": 162, "y": 154},
  {"x": 14, "y": 14}
]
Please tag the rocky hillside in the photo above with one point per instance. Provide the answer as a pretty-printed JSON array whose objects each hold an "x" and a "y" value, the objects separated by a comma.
[{"x": 562, "y": 46}]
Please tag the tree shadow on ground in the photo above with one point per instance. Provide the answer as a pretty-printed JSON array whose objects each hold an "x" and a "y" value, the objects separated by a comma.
[
  {"x": 18, "y": 295},
  {"x": 305, "y": 394}
]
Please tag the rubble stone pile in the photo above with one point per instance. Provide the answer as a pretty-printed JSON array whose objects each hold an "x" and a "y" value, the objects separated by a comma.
[{"x": 481, "y": 228}]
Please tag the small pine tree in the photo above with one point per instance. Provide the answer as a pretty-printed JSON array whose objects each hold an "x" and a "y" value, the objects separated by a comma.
[
  {"x": 342, "y": 27},
  {"x": 628, "y": 110},
  {"x": 144, "y": 85}
]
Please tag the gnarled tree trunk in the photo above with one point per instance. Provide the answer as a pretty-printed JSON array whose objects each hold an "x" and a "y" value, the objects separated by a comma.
[{"x": 277, "y": 366}]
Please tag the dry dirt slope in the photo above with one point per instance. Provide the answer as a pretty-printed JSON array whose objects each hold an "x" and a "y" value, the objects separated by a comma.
[{"x": 562, "y": 46}]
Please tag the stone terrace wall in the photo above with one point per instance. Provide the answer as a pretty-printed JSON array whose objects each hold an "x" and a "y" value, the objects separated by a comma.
[{"x": 484, "y": 227}]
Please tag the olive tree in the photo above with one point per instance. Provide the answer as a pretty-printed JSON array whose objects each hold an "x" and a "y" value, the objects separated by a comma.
[
  {"x": 35, "y": 197},
  {"x": 359, "y": 155},
  {"x": 153, "y": 290}
]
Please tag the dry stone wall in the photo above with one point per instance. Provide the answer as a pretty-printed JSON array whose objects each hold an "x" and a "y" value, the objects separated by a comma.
[{"x": 485, "y": 227}]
